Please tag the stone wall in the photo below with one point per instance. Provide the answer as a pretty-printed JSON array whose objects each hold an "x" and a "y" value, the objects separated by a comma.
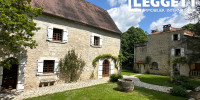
[{"x": 78, "y": 39}]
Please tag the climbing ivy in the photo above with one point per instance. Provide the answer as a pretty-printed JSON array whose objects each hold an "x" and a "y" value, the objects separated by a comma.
[
  {"x": 181, "y": 60},
  {"x": 94, "y": 62}
]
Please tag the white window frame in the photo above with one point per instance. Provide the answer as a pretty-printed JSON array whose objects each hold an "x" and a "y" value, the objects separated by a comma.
[
  {"x": 92, "y": 40},
  {"x": 40, "y": 66},
  {"x": 50, "y": 31}
]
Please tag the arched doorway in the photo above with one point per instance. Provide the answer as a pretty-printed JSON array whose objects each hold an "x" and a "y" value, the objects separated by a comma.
[
  {"x": 9, "y": 80},
  {"x": 106, "y": 68}
]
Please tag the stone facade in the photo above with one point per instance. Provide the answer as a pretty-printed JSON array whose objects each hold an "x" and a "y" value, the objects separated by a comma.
[
  {"x": 161, "y": 48},
  {"x": 79, "y": 38}
]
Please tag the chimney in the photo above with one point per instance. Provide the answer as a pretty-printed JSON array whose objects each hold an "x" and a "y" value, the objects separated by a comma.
[
  {"x": 153, "y": 31},
  {"x": 166, "y": 28}
]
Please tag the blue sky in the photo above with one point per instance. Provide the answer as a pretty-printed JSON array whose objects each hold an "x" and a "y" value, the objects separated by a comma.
[{"x": 118, "y": 9}]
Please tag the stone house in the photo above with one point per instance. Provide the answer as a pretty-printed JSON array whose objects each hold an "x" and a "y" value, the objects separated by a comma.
[
  {"x": 157, "y": 54},
  {"x": 65, "y": 25}
]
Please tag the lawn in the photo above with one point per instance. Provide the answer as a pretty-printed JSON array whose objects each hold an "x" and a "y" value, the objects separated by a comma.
[
  {"x": 163, "y": 80},
  {"x": 108, "y": 91},
  {"x": 127, "y": 72}
]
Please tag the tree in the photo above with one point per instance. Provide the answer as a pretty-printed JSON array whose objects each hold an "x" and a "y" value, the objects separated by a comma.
[
  {"x": 129, "y": 38},
  {"x": 195, "y": 28},
  {"x": 16, "y": 27},
  {"x": 193, "y": 15}
]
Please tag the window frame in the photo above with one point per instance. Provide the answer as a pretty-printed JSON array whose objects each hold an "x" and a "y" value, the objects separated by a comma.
[
  {"x": 58, "y": 39},
  {"x": 153, "y": 66},
  {"x": 48, "y": 72},
  {"x": 96, "y": 41},
  {"x": 176, "y": 54},
  {"x": 175, "y": 39}
]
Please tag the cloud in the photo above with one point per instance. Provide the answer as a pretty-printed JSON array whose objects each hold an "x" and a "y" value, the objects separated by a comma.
[
  {"x": 176, "y": 20},
  {"x": 124, "y": 18},
  {"x": 116, "y": 2}
]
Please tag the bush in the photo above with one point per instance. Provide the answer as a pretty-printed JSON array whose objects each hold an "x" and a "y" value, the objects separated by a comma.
[
  {"x": 187, "y": 86},
  {"x": 71, "y": 67},
  {"x": 178, "y": 80},
  {"x": 115, "y": 77},
  {"x": 179, "y": 91}
]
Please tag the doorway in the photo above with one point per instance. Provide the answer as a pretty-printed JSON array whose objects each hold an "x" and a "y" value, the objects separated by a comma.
[
  {"x": 106, "y": 68},
  {"x": 9, "y": 80}
]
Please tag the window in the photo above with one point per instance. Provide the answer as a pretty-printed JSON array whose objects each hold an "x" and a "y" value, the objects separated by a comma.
[
  {"x": 154, "y": 66},
  {"x": 96, "y": 41},
  {"x": 175, "y": 37},
  {"x": 57, "y": 34},
  {"x": 48, "y": 66},
  {"x": 177, "y": 52}
]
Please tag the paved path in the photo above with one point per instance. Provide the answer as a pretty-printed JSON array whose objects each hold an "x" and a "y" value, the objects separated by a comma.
[
  {"x": 51, "y": 89},
  {"x": 137, "y": 82}
]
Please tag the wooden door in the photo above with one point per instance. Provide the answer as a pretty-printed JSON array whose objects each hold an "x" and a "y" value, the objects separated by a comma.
[
  {"x": 10, "y": 78},
  {"x": 105, "y": 68},
  {"x": 197, "y": 67}
]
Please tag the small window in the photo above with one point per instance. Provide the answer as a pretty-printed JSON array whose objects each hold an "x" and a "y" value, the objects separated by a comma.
[
  {"x": 175, "y": 37},
  {"x": 96, "y": 41},
  {"x": 177, "y": 52},
  {"x": 154, "y": 66},
  {"x": 57, "y": 34},
  {"x": 48, "y": 66}
]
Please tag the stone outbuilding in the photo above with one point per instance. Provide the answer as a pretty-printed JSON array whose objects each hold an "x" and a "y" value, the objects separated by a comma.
[
  {"x": 65, "y": 25},
  {"x": 156, "y": 56}
]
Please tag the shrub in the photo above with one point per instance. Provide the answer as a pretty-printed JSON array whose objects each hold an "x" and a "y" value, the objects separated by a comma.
[
  {"x": 178, "y": 80},
  {"x": 71, "y": 67},
  {"x": 187, "y": 86},
  {"x": 179, "y": 91},
  {"x": 115, "y": 77}
]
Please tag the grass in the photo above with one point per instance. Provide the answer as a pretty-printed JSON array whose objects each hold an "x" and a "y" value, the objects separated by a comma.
[
  {"x": 108, "y": 91},
  {"x": 163, "y": 80},
  {"x": 127, "y": 72}
]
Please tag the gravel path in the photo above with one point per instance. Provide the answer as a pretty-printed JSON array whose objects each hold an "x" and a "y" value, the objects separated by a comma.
[
  {"x": 51, "y": 89},
  {"x": 137, "y": 82}
]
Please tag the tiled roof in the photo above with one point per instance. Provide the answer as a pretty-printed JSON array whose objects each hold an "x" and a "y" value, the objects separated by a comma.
[
  {"x": 186, "y": 32},
  {"x": 79, "y": 11}
]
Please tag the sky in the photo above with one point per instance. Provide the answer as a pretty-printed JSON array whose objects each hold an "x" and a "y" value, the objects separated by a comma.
[{"x": 124, "y": 18}]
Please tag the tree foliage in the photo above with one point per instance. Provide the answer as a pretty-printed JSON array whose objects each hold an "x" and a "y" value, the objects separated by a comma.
[
  {"x": 195, "y": 28},
  {"x": 17, "y": 26},
  {"x": 129, "y": 38},
  {"x": 71, "y": 66},
  {"x": 194, "y": 14}
]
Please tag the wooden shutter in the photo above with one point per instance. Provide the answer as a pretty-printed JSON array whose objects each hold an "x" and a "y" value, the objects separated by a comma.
[
  {"x": 40, "y": 64},
  {"x": 21, "y": 72},
  {"x": 182, "y": 52},
  {"x": 1, "y": 76},
  {"x": 92, "y": 40},
  {"x": 172, "y": 37},
  {"x": 56, "y": 66},
  {"x": 101, "y": 41},
  {"x": 172, "y": 51},
  {"x": 100, "y": 69},
  {"x": 179, "y": 36},
  {"x": 112, "y": 67},
  {"x": 65, "y": 36},
  {"x": 50, "y": 33}
]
